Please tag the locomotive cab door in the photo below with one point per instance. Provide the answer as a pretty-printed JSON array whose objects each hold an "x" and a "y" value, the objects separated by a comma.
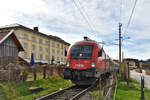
[{"x": 100, "y": 58}]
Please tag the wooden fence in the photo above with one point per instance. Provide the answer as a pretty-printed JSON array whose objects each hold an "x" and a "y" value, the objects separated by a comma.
[{"x": 18, "y": 73}]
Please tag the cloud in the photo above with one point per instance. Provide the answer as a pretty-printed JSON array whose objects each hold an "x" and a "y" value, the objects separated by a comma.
[{"x": 62, "y": 18}]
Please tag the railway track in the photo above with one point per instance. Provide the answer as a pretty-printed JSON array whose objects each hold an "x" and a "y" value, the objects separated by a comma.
[{"x": 70, "y": 93}]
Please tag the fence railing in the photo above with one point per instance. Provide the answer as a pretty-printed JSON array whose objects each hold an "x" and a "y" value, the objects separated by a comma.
[{"x": 14, "y": 72}]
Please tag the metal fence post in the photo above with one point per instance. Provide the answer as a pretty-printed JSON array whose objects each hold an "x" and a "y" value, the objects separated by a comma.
[
  {"x": 44, "y": 72},
  {"x": 142, "y": 87}
]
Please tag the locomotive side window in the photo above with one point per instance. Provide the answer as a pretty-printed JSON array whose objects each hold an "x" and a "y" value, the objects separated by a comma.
[{"x": 99, "y": 53}]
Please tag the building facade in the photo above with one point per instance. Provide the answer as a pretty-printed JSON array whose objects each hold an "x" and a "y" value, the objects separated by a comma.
[{"x": 46, "y": 48}]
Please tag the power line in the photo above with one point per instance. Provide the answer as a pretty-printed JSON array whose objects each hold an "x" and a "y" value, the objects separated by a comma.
[
  {"x": 84, "y": 16},
  {"x": 131, "y": 16},
  {"x": 87, "y": 14}
]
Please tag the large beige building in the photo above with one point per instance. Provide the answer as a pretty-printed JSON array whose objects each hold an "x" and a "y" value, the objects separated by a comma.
[{"x": 44, "y": 47}]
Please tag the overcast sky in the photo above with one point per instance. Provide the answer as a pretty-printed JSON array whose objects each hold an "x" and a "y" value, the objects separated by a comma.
[{"x": 62, "y": 18}]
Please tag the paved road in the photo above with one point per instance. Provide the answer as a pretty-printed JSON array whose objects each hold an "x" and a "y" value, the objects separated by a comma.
[{"x": 137, "y": 77}]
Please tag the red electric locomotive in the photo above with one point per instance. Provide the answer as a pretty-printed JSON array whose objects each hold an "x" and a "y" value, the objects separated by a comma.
[{"x": 86, "y": 61}]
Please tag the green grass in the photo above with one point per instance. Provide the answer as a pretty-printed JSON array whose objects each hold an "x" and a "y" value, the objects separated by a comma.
[
  {"x": 96, "y": 95},
  {"x": 131, "y": 93},
  {"x": 39, "y": 76},
  {"x": 2, "y": 93},
  {"x": 20, "y": 91}
]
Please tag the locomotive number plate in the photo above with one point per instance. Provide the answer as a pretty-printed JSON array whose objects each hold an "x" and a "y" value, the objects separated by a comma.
[{"x": 79, "y": 65}]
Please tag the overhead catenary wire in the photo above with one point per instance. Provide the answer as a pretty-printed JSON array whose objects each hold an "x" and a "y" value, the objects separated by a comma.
[
  {"x": 130, "y": 18},
  {"x": 128, "y": 23},
  {"x": 84, "y": 16}
]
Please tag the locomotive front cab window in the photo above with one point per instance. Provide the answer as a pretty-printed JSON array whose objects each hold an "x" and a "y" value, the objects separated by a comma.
[
  {"x": 99, "y": 53},
  {"x": 81, "y": 52}
]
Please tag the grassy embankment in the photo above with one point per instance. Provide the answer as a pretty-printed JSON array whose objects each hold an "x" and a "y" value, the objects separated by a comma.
[
  {"x": 96, "y": 95},
  {"x": 125, "y": 93},
  {"x": 131, "y": 93},
  {"x": 20, "y": 91}
]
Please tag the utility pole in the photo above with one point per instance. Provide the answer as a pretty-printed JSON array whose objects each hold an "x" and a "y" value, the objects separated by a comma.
[{"x": 120, "y": 25}]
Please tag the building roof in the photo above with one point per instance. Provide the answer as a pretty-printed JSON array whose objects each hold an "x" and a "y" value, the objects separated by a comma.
[
  {"x": 146, "y": 61},
  {"x": 10, "y": 33},
  {"x": 12, "y": 26},
  {"x": 131, "y": 59}
]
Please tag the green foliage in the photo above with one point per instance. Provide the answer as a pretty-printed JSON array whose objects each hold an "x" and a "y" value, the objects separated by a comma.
[
  {"x": 96, "y": 95},
  {"x": 20, "y": 91},
  {"x": 31, "y": 76},
  {"x": 131, "y": 93},
  {"x": 2, "y": 93}
]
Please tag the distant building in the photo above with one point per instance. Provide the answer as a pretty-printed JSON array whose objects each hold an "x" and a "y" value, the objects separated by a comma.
[
  {"x": 117, "y": 61},
  {"x": 44, "y": 47},
  {"x": 144, "y": 63},
  {"x": 132, "y": 62}
]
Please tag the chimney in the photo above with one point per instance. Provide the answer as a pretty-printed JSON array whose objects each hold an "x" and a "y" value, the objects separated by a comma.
[{"x": 36, "y": 29}]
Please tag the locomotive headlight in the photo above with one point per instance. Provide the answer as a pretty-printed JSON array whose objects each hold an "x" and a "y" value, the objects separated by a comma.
[
  {"x": 93, "y": 64},
  {"x": 68, "y": 64}
]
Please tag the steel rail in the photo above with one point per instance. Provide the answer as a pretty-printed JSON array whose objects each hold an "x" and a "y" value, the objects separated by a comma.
[
  {"x": 70, "y": 93},
  {"x": 77, "y": 96},
  {"x": 45, "y": 97}
]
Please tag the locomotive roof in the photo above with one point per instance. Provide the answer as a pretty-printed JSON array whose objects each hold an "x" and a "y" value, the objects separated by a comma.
[{"x": 86, "y": 43}]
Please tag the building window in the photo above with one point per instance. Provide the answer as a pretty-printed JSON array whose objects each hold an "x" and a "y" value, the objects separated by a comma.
[
  {"x": 25, "y": 55},
  {"x": 47, "y": 58},
  {"x": 46, "y": 42},
  {"x": 25, "y": 36},
  {"x": 65, "y": 48},
  {"x": 25, "y": 45},
  {"x": 62, "y": 59},
  {"x": 62, "y": 53},
  {"x": 33, "y": 47},
  {"x": 52, "y": 58},
  {"x": 53, "y": 44},
  {"x": 57, "y": 45},
  {"x": 41, "y": 49},
  {"x": 34, "y": 55},
  {"x": 57, "y": 58},
  {"x": 33, "y": 39},
  {"x": 41, "y": 41},
  {"x": 41, "y": 56},
  {"x": 61, "y": 46},
  {"x": 57, "y": 51},
  {"x": 53, "y": 51},
  {"x": 46, "y": 49}
]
